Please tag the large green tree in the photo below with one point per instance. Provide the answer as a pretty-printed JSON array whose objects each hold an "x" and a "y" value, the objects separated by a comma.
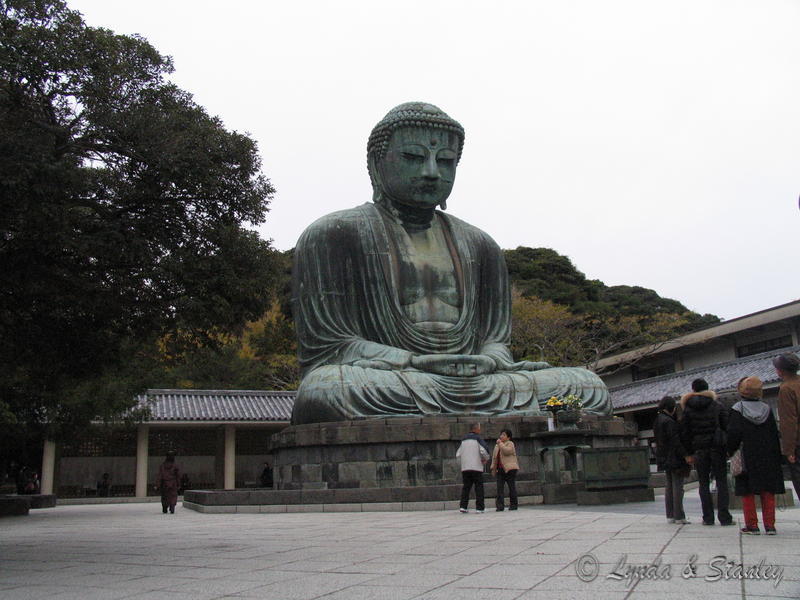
[{"x": 126, "y": 213}]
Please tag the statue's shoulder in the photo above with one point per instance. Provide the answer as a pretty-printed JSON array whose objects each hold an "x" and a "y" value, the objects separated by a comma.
[
  {"x": 466, "y": 230},
  {"x": 340, "y": 223}
]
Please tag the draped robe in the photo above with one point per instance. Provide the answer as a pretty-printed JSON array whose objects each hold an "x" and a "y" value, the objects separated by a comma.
[{"x": 349, "y": 319}]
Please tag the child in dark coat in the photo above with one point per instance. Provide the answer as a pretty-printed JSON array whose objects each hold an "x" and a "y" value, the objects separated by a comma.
[{"x": 752, "y": 427}]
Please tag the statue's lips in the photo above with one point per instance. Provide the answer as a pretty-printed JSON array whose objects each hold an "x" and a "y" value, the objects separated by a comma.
[{"x": 428, "y": 188}]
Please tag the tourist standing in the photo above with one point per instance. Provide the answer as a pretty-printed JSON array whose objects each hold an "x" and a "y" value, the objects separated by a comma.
[
  {"x": 473, "y": 453},
  {"x": 786, "y": 366},
  {"x": 703, "y": 426},
  {"x": 753, "y": 428},
  {"x": 505, "y": 467},
  {"x": 167, "y": 481},
  {"x": 672, "y": 458}
]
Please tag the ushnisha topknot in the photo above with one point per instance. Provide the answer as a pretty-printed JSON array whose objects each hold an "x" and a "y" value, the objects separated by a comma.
[{"x": 411, "y": 114}]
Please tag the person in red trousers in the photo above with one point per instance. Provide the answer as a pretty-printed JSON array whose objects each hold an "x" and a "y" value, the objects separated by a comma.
[{"x": 752, "y": 428}]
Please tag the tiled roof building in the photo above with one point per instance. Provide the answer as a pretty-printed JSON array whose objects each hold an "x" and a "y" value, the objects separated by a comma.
[
  {"x": 721, "y": 354},
  {"x": 217, "y": 405},
  {"x": 721, "y": 377}
]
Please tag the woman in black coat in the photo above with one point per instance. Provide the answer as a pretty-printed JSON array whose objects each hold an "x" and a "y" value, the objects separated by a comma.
[
  {"x": 752, "y": 426},
  {"x": 671, "y": 457}
]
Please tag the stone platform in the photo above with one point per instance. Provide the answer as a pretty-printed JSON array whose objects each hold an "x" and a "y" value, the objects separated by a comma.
[
  {"x": 410, "y": 464},
  {"x": 404, "y": 452},
  {"x": 14, "y": 505},
  {"x": 438, "y": 497}
]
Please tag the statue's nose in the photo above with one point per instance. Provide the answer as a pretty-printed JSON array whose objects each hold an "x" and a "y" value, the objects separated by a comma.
[{"x": 430, "y": 170}]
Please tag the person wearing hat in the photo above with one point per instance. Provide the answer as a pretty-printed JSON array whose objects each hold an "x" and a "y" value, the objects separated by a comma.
[
  {"x": 786, "y": 366},
  {"x": 752, "y": 427}
]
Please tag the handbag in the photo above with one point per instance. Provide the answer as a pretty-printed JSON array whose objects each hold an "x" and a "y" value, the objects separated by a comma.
[{"x": 737, "y": 463}]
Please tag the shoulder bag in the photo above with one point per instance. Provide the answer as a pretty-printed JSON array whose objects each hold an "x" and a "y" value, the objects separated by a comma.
[{"x": 737, "y": 463}]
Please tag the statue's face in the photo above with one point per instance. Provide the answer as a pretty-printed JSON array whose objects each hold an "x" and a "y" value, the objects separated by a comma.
[{"x": 419, "y": 167}]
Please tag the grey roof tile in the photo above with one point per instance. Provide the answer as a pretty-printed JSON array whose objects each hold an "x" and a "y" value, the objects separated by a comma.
[
  {"x": 720, "y": 377},
  {"x": 218, "y": 405}
]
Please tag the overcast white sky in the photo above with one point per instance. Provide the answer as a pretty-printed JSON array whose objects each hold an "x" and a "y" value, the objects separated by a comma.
[{"x": 654, "y": 143}]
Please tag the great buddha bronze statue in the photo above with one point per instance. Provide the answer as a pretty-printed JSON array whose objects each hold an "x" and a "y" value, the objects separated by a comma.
[{"x": 402, "y": 309}]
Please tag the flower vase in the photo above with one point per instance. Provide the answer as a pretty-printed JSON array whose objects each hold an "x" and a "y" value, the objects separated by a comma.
[{"x": 568, "y": 419}]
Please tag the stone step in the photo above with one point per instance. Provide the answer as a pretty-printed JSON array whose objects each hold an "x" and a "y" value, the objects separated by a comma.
[
  {"x": 351, "y": 506},
  {"x": 436, "y": 493}
]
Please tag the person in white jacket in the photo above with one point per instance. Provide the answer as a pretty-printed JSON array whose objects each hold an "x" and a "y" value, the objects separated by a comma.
[{"x": 473, "y": 453}]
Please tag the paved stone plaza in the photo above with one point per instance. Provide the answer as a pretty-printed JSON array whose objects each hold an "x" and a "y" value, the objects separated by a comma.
[{"x": 133, "y": 551}]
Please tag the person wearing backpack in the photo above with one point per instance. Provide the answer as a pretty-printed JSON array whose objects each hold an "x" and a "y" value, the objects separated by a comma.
[{"x": 703, "y": 424}]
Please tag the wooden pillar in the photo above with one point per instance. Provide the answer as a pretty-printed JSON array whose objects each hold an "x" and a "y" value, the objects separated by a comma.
[
  {"x": 48, "y": 466},
  {"x": 142, "y": 455},
  {"x": 230, "y": 457}
]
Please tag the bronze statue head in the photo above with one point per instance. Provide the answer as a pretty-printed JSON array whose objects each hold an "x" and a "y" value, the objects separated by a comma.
[{"x": 412, "y": 155}]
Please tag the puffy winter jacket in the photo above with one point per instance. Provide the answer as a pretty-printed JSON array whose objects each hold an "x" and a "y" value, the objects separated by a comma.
[
  {"x": 472, "y": 454},
  {"x": 702, "y": 415},
  {"x": 670, "y": 453}
]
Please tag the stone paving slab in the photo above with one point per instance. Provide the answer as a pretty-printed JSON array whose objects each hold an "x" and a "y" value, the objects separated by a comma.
[{"x": 132, "y": 551}]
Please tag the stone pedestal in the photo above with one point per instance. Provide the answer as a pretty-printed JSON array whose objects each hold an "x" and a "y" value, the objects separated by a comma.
[
  {"x": 409, "y": 463},
  {"x": 420, "y": 452},
  {"x": 391, "y": 452}
]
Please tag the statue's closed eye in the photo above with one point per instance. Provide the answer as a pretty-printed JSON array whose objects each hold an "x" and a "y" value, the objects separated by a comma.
[{"x": 412, "y": 156}]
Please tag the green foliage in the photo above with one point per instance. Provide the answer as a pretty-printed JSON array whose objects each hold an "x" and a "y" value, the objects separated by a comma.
[
  {"x": 548, "y": 275},
  {"x": 125, "y": 214},
  {"x": 544, "y": 273},
  {"x": 264, "y": 356},
  {"x": 565, "y": 319}
]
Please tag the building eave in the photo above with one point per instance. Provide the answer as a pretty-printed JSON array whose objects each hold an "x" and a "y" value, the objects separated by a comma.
[{"x": 770, "y": 315}]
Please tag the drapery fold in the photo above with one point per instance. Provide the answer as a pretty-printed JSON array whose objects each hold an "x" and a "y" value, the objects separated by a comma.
[{"x": 349, "y": 320}]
